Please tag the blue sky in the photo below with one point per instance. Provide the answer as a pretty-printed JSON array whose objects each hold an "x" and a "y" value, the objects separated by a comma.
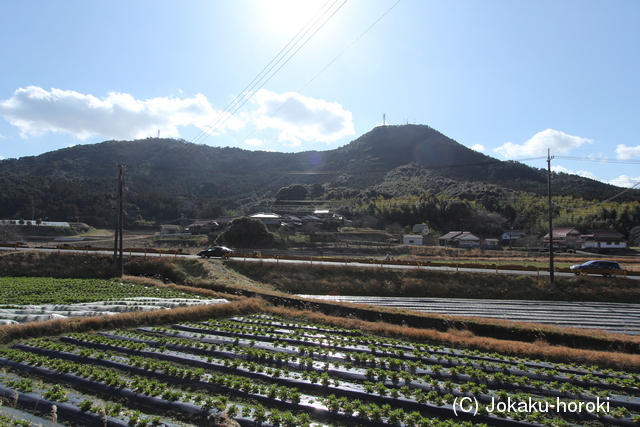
[{"x": 508, "y": 78}]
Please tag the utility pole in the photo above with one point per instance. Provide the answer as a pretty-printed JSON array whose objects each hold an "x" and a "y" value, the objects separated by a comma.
[
  {"x": 117, "y": 246},
  {"x": 551, "y": 268}
]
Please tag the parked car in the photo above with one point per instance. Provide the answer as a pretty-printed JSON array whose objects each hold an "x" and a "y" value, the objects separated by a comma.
[
  {"x": 216, "y": 252},
  {"x": 606, "y": 268}
]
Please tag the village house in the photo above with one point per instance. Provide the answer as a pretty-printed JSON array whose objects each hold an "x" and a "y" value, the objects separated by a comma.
[
  {"x": 602, "y": 239},
  {"x": 292, "y": 221},
  {"x": 491, "y": 244},
  {"x": 223, "y": 221},
  {"x": 593, "y": 240},
  {"x": 327, "y": 214},
  {"x": 510, "y": 236},
  {"x": 271, "y": 219},
  {"x": 422, "y": 229},
  {"x": 311, "y": 219},
  {"x": 460, "y": 239},
  {"x": 564, "y": 237},
  {"x": 412, "y": 239}
]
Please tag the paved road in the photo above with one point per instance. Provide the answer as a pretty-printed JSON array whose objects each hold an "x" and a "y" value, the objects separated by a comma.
[
  {"x": 613, "y": 317},
  {"x": 363, "y": 264}
]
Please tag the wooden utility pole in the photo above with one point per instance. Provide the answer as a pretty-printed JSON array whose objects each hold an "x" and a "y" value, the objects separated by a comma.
[
  {"x": 117, "y": 245},
  {"x": 551, "y": 267}
]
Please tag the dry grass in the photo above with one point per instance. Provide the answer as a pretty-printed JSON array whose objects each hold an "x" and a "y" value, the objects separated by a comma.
[
  {"x": 340, "y": 280},
  {"x": 149, "y": 281},
  {"x": 10, "y": 333}
]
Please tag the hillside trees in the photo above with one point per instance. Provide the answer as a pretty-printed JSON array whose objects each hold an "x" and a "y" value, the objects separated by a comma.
[
  {"x": 518, "y": 211},
  {"x": 634, "y": 236},
  {"x": 583, "y": 215},
  {"x": 406, "y": 174}
]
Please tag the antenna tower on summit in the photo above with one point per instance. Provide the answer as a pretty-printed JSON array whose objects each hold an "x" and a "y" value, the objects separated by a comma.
[{"x": 384, "y": 119}]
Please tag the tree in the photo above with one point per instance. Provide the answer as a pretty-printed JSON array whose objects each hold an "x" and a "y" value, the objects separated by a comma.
[
  {"x": 487, "y": 223},
  {"x": 294, "y": 192},
  {"x": 9, "y": 233},
  {"x": 634, "y": 236},
  {"x": 247, "y": 232}
]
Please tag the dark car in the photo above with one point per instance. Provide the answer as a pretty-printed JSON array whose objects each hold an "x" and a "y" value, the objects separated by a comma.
[
  {"x": 606, "y": 268},
  {"x": 217, "y": 252}
]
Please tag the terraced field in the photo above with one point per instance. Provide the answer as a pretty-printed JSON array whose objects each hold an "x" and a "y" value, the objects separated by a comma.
[{"x": 271, "y": 371}]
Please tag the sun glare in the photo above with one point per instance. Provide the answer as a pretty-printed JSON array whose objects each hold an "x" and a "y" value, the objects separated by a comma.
[{"x": 287, "y": 17}]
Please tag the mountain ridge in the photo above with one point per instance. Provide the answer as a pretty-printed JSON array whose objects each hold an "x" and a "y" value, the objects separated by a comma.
[{"x": 166, "y": 178}]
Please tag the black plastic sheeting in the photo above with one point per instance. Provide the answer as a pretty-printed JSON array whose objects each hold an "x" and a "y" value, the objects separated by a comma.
[
  {"x": 137, "y": 399},
  {"x": 34, "y": 403},
  {"x": 444, "y": 411}
]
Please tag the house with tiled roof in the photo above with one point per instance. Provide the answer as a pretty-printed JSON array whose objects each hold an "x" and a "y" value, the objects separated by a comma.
[
  {"x": 268, "y": 218},
  {"x": 510, "y": 235},
  {"x": 567, "y": 237},
  {"x": 603, "y": 239},
  {"x": 459, "y": 239}
]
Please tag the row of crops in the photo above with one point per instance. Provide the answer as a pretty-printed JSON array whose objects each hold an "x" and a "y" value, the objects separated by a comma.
[
  {"x": 263, "y": 370},
  {"x": 47, "y": 290},
  {"x": 26, "y": 299}
]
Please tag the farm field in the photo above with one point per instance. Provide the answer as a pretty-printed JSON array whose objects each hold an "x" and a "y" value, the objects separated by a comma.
[
  {"x": 269, "y": 358},
  {"x": 269, "y": 370},
  {"x": 24, "y": 299},
  {"x": 612, "y": 317}
]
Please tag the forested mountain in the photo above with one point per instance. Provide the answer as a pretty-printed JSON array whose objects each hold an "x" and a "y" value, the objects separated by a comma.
[{"x": 404, "y": 166}]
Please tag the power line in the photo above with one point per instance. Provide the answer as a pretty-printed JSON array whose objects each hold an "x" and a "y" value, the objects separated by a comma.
[
  {"x": 328, "y": 65},
  {"x": 600, "y": 160},
  {"x": 318, "y": 172},
  {"x": 248, "y": 92}
]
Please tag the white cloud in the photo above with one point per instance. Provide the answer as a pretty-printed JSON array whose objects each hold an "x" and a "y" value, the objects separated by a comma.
[
  {"x": 118, "y": 115},
  {"x": 478, "y": 147},
  {"x": 254, "y": 142},
  {"x": 560, "y": 169},
  {"x": 558, "y": 142},
  {"x": 625, "y": 152},
  {"x": 586, "y": 174},
  {"x": 625, "y": 181},
  {"x": 294, "y": 117},
  {"x": 301, "y": 119},
  {"x": 582, "y": 173}
]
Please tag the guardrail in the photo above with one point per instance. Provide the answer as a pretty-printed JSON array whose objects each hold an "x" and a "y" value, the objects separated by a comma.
[
  {"x": 12, "y": 245},
  {"x": 125, "y": 250}
]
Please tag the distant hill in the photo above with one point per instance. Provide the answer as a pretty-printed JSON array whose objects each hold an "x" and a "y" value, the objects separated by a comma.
[{"x": 166, "y": 178}]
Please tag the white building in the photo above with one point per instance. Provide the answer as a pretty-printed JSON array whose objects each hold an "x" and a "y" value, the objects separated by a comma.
[
  {"x": 412, "y": 239},
  {"x": 460, "y": 239},
  {"x": 603, "y": 239},
  {"x": 268, "y": 218}
]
